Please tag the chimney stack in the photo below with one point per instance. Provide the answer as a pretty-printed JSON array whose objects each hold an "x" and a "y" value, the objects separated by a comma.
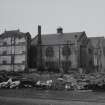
[
  {"x": 39, "y": 63},
  {"x": 60, "y": 30},
  {"x": 39, "y": 34}
]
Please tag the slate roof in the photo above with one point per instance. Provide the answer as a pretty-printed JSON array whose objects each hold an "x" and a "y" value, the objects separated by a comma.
[
  {"x": 53, "y": 39},
  {"x": 96, "y": 41},
  {"x": 15, "y": 33}
]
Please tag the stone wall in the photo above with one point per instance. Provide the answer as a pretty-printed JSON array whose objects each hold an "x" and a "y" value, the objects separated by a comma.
[{"x": 58, "y": 59}]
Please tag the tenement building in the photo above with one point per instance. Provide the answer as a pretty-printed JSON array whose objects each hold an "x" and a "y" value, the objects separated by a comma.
[
  {"x": 14, "y": 50},
  {"x": 59, "y": 51}
]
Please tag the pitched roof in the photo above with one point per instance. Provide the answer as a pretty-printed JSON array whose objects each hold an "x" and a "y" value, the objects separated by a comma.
[
  {"x": 96, "y": 41},
  {"x": 11, "y": 33},
  {"x": 49, "y": 39}
]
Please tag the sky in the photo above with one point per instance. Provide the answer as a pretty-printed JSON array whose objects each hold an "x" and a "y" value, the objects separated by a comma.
[{"x": 71, "y": 15}]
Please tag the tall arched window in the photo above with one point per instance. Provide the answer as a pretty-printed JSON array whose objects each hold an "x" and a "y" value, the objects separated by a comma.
[
  {"x": 49, "y": 52},
  {"x": 66, "y": 51}
]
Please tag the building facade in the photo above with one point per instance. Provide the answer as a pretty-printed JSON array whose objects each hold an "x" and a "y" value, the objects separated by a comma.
[
  {"x": 96, "y": 54},
  {"x": 14, "y": 50},
  {"x": 59, "y": 51}
]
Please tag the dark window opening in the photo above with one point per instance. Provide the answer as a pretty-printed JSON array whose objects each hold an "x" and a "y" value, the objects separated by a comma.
[
  {"x": 20, "y": 37},
  {"x": 49, "y": 52},
  {"x": 104, "y": 51},
  {"x": 23, "y": 62},
  {"x": 66, "y": 65},
  {"x": 4, "y": 62},
  {"x": 4, "y": 52},
  {"x": 49, "y": 63},
  {"x": 4, "y": 43},
  {"x": 90, "y": 51},
  {"x": 23, "y": 52},
  {"x": 12, "y": 59},
  {"x": 66, "y": 51},
  {"x": 76, "y": 36}
]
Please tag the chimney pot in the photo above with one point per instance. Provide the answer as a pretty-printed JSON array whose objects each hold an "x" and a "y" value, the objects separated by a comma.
[
  {"x": 39, "y": 29},
  {"x": 60, "y": 30}
]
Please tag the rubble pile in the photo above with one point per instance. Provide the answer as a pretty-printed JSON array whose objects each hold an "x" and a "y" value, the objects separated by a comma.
[{"x": 54, "y": 81}]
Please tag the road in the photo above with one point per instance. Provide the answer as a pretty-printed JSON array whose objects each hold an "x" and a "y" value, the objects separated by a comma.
[
  {"x": 24, "y": 101},
  {"x": 42, "y": 97}
]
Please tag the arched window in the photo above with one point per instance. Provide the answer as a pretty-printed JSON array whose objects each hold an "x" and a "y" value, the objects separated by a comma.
[
  {"x": 66, "y": 51},
  {"x": 49, "y": 52}
]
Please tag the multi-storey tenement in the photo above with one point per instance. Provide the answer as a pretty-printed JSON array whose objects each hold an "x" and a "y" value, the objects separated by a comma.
[{"x": 14, "y": 50}]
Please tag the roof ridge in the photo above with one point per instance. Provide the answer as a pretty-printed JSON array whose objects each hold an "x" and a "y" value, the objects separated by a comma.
[
  {"x": 62, "y": 33},
  {"x": 96, "y": 37},
  {"x": 13, "y": 30}
]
